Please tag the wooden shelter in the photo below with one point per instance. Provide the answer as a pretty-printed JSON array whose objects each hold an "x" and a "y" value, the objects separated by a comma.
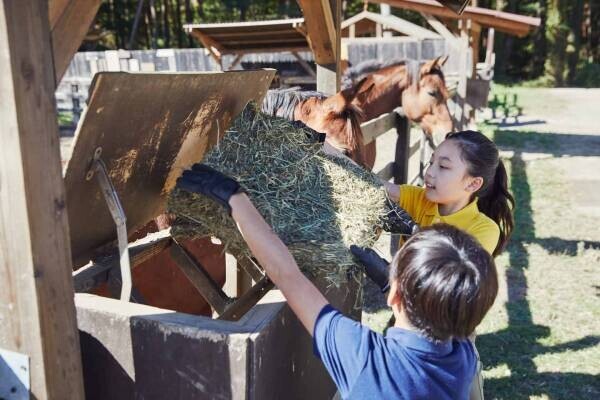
[
  {"x": 37, "y": 40},
  {"x": 240, "y": 38}
]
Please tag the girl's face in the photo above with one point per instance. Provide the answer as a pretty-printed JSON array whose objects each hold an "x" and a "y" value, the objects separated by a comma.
[{"x": 446, "y": 177}]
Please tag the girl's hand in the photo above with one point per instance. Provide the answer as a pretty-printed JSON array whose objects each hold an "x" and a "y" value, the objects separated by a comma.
[{"x": 393, "y": 191}]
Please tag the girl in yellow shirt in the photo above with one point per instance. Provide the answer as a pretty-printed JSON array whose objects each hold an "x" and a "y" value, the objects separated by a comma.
[{"x": 465, "y": 186}]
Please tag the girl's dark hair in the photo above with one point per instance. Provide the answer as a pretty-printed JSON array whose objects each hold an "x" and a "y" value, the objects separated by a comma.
[
  {"x": 446, "y": 281},
  {"x": 495, "y": 201}
]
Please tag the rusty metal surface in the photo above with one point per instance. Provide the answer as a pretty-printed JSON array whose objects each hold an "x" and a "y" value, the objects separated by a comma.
[{"x": 150, "y": 128}]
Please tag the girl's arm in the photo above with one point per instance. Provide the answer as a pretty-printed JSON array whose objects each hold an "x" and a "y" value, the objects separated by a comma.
[{"x": 303, "y": 297}]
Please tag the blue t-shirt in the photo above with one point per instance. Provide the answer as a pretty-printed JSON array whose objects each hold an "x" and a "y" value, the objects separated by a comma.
[{"x": 401, "y": 365}]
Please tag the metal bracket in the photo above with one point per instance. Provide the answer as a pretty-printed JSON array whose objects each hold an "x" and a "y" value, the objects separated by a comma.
[
  {"x": 14, "y": 375},
  {"x": 98, "y": 168}
]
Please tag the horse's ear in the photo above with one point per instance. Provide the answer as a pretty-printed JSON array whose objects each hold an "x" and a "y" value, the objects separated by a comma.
[
  {"x": 431, "y": 65},
  {"x": 444, "y": 60}
]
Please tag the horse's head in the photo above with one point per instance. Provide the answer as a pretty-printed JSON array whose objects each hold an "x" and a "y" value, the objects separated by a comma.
[
  {"x": 338, "y": 118},
  {"x": 424, "y": 101}
]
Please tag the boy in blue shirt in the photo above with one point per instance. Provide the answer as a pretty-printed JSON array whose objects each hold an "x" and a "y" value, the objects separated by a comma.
[{"x": 442, "y": 283}]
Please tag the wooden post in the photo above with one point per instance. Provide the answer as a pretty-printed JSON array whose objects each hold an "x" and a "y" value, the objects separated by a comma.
[
  {"x": 402, "y": 150},
  {"x": 37, "y": 313},
  {"x": 328, "y": 77}
]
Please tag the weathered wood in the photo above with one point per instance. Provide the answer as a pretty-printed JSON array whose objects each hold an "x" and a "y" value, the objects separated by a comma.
[
  {"x": 440, "y": 28},
  {"x": 513, "y": 24},
  {"x": 321, "y": 28},
  {"x": 69, "y": 22},
  {"x": 237, "y": 309},
  {"x": 146, "y": 152},
  {"x": 37, "y": 312},
  {"x": 304, "y": 65},
  {"x": 328, "y": 71},
  {"x": 200, "y": 278},
  {"x": 402, "y": 149},
  {"x": 96, "y": 272},
  {"x": 390, "y": 21},
  {"x": 378, "y": 126}
]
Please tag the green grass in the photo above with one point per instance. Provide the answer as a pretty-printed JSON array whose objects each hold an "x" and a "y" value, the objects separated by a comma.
[{"x": 541, "y": 338}]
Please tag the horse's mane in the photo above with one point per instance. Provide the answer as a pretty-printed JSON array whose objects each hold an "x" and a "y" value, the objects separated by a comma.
[
  {"x": 283, "y": 102},
  {"x": 356, "y": 72},
  {"x": 353, "y": 115}
]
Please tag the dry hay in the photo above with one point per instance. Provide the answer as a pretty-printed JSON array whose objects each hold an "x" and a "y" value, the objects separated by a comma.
[{"x": 318, "y": 204}]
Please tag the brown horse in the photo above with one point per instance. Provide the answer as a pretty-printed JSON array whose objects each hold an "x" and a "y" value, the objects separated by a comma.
[
  {"x": 422, "y": 93},
  {"x": 337, "y": 116}
]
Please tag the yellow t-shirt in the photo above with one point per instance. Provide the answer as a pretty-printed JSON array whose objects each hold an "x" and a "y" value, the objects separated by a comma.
[{"x": 469, "y": 219}]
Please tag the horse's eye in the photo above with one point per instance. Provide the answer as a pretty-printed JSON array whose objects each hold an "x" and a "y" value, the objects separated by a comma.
[{"x": 433, "y": 93}]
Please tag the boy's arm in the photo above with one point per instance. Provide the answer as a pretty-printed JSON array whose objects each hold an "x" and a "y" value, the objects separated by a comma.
[{"x": 302, "y": 296}]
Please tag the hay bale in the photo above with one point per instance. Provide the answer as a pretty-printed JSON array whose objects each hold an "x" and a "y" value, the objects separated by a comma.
[{"x": 318, "y": 204}]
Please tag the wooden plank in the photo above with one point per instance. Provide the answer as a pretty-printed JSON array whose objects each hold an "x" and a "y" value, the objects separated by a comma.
[
  {"x": 321, "y": 29},
  {"x": 440, "y": 28},
  {"x": 391, "y": 21},
  {"x": 328, "y": 73},
  {"x": 378, "y": 126},
  {"x": 514, "y": 24},
  {"x": 70, "y": 21},
  {"x": 37, "y": 312},
  {"x": 237, "y": 309},
  {"x": 146, "y": 152},
  {"x": 96, "y": 272},
  {"x": 200, "y": 279},
  {"x": 304, "y": 64},
  {"x": 387, "y": 172}
]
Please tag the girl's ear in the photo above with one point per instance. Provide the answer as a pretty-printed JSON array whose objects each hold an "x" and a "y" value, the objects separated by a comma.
[{"x": 475, "y": 184}]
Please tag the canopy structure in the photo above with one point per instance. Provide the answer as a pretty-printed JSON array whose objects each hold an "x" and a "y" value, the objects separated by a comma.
[
  {"x": 514, "y": 24},
  {"x": 367, "y": 22},
  {"x": 240, "y": 38}
]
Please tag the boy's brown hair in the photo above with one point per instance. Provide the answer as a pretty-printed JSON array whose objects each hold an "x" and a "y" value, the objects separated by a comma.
[{"x": 446, "y": 281}]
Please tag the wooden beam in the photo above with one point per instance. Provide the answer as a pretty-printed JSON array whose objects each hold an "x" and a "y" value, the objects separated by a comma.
[
  {"x": 440, "y": 28},
  {"x": 304, "y": 64},
  {"x": 475, "y": 40},
  {"x": 70, "y": 20},
  {"x": 37, "y": 312},
  {"x": 320, "y": 26},
  {"x": 514, "y": 24},
  {"x": 391, "y": 21}
]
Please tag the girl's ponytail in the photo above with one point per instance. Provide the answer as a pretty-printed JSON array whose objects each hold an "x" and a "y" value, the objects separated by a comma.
[
  {"x": 495, "y": 201},
  {"x": 498, "y": 204}
]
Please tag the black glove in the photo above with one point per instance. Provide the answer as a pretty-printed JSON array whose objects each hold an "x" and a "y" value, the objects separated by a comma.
[
  {"x": 311, "y": 134},
  {"x": 376, "y": 267},
  {"x": 205, "y": 180},
  {"x": 398, "y": 221}
]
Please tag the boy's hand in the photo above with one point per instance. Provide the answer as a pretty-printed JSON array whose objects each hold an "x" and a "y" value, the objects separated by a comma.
[
  {"x": 376, "y": 267},
  {"x": 205, "y": 180},
  {"x": 399, "y": 221}
]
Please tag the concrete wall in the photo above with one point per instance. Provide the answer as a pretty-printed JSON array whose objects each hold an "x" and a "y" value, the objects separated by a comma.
[{"x": 137, "y": 351}]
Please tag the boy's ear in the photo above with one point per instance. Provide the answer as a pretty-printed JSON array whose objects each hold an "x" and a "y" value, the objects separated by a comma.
[
  {"x": 393, "y": 298},
  {"x": 475, "y": 184}
]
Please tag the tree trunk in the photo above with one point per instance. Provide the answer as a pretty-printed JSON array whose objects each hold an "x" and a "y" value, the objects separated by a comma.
[
  {"x": 154, "y": 23},
  {"x": 179, "y": 25},
  {"x": 574, "y": 47},
  {"x": 166, "y": 26},
  {"x": 595, "y": 30},
  {"x": 540, "y": 48},
  {"x": 189, "y": 19}
]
